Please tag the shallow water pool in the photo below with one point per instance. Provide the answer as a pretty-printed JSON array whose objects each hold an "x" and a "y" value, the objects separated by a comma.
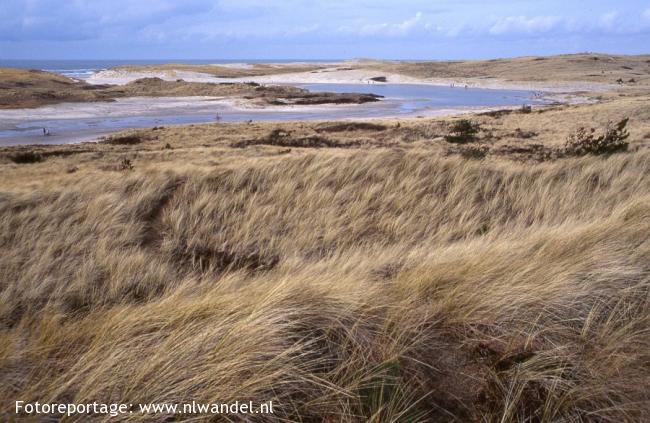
[{"x": 76, "y": 122}]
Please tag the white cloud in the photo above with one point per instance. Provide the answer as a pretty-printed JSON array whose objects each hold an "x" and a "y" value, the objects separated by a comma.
[
  {"x": 611, "y": 23},
  {"x": 646, "y": 15},
  {"x": 525, "y": 25},
  {"x": 400, "y": 29},
  {"x": 408, "y": 24},
  {"x": 609, "y": 20}
]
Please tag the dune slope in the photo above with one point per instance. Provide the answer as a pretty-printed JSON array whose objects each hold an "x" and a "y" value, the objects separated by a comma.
[{"x": 376, "y": 285}]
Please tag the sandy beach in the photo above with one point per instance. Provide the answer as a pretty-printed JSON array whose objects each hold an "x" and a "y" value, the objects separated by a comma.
[{"x": 336, "y": 75}]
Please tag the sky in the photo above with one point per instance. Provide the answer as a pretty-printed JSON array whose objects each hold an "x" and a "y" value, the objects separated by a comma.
[{"x": 331, "y": 29}]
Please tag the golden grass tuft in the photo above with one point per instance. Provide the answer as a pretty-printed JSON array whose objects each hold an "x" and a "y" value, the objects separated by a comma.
[{"x": 379, "y": 285}]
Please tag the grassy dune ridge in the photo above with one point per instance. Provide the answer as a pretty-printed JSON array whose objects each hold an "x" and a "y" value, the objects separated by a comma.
[
  {"x": 349, "y": 285},
  {"x": 32, "y": 88}
]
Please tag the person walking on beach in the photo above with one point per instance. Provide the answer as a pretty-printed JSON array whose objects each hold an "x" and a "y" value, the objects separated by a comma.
[{"x": 46, "y": 132}]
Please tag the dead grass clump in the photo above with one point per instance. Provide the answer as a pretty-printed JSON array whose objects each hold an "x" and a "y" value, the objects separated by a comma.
[
  {"x": 612, "y": 140},
  {"x": 206, "y": 259}
]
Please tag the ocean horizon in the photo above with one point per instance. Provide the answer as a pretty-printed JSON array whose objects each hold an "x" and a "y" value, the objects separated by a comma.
[{"x": 83, "y": 69}]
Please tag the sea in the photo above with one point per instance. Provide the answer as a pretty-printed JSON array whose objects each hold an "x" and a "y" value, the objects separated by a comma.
[{"x": 83, "y": 69}]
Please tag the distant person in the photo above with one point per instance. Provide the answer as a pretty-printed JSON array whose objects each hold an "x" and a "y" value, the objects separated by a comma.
[{"x": 46, "y": 132}]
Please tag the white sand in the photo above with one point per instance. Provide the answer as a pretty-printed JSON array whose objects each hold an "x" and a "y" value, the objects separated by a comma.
[
  {"x": 339, "y": 75},
  {"x": 234, "y": 65},
  {"x": 122, "y": 77},
  {"x": 123, "y": 107}
]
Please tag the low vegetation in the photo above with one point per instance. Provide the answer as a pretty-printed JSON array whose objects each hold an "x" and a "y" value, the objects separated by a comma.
[
  {"x": 586, "y": 141},
  {"x": 26, "y": 157},
  {"x": 124, "y": 140},
  {"x": 475, "y": 152},
  {"x": 126, "y": 164},
  {"x": 463, "y": 131},
  {"x": 343, "y": 284}
]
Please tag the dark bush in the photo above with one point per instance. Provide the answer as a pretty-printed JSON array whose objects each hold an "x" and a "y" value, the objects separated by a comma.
[
  {"x": 281, "y": 138},
  {"x": 126, "y": 165},
  {"x": 26, "y": 157},
  {"x": 472, "y": 152},
  {"x": 463, "y": 131},
  {"x": 612, "y": 140},
  {"x": 526, "y": 109},
  {"x": 525, "y": 134},
  {"x": 496, "y": 113},
  {"x": 351, "y": 126},
  {"x": 125, "y": 140}
]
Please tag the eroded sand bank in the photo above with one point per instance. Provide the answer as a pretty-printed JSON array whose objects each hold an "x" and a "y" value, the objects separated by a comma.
[{"x": 339, "y": 75}]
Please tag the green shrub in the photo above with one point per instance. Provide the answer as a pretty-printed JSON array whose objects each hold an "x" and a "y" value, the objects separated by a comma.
[
  {"x": 463, "y": 131},
  {"x": 585, "y": 141}
]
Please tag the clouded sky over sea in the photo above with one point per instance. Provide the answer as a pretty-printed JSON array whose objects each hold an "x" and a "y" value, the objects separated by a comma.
[{"x": 331, "y": 29}]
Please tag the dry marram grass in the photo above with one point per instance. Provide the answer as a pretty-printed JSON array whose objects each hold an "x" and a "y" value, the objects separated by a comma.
[
  {"x": 383, "y": 285},
  {"x": 374, "y": 275}
]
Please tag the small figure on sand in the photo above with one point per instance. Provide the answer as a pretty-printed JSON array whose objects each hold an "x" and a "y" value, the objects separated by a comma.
[{"x": 46, "y": 132}]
